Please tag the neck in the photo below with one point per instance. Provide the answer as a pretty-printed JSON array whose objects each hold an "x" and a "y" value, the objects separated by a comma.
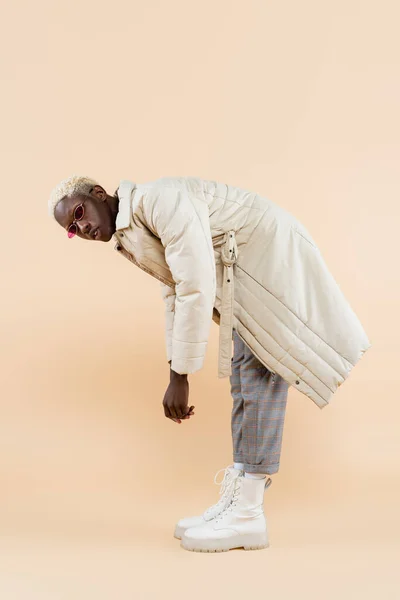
[{"x": 113, "y": 203}]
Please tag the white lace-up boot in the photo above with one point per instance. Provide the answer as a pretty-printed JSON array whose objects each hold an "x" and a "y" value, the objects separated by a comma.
[
  {"x": 226, "y": 491},
  {"x": 241, "y": 524}
]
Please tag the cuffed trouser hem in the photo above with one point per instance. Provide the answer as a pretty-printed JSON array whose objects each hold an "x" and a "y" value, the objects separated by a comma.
[{"x": 267, "y": 469}]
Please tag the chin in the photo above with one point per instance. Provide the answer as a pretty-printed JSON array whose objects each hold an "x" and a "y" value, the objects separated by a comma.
[{"x": 105, "y": 236}]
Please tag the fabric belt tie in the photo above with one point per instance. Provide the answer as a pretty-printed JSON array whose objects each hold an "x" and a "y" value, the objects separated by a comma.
[{"x": 229, "y": 254}]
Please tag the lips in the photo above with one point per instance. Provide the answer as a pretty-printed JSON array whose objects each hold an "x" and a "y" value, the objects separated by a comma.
[{"x": 94, "y": 233}]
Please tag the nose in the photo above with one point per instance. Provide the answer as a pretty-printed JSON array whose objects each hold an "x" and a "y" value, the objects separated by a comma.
[{"x": 83, "y": 226}]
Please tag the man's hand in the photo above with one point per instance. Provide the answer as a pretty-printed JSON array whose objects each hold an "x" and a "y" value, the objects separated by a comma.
[{"x": 176, "y": 398}]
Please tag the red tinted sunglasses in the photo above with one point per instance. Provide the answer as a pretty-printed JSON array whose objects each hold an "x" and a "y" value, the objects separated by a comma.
[{"x": 78, "y": 214}]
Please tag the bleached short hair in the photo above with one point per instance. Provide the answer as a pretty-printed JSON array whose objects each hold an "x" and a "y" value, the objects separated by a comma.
[{"x": 72, "y": 186}]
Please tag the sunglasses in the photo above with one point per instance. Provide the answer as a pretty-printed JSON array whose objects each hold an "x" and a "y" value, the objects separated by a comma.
[{"x": 78, "y": 215}]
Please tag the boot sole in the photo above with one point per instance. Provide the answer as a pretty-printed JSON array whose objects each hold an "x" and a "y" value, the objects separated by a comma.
[{"x": 247, "y": 542}]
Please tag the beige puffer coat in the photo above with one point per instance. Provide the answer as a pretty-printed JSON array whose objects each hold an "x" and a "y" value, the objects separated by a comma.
[{"x": 226, "y": 254}]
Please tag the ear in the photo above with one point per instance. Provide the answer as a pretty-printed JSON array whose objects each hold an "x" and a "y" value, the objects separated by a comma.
[{"x": 99, "y": 193}]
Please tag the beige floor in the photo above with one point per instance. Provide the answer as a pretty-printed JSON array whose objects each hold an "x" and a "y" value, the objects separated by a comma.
[{"x": 71, "y": 547}]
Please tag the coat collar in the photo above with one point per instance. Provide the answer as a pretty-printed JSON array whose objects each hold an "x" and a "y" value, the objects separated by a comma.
[{"x": 124, "y": 192}]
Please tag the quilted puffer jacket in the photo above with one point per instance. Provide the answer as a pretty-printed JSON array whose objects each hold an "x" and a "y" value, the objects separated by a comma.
[{"x": 226, "y": 254}]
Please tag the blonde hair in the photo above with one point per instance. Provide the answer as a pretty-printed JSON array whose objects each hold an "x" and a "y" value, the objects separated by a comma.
[{"x": 72, "y": 186}]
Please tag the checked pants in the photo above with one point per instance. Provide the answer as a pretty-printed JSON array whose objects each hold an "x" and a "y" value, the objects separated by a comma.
[{"x": 258, "y": 412}]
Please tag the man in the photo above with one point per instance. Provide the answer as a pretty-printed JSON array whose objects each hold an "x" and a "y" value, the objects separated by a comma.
[{"x": 226, "y": 254}]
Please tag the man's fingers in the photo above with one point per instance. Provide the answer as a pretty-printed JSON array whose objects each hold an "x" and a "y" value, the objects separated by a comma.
[
  {"x": 173, "y": 412},
  {"x": 189, "y": 414},
  {"x": 167, "y": 412},
  {"x": 189, "y": 411}
]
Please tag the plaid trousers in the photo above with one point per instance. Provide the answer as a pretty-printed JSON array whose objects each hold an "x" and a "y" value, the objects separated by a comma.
[{"x": 258, "y": 413}]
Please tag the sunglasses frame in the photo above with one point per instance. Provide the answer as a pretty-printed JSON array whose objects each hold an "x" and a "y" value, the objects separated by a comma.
[{"x": 73, "y": 224}]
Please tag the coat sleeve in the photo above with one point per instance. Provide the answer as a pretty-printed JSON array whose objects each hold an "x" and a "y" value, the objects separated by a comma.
[
  {"x": 182, "y": 223},
  {"x": 169, "y": 296}
]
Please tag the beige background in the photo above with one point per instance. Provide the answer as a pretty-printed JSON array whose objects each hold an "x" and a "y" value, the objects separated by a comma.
[{"x": 298, "y": 101}]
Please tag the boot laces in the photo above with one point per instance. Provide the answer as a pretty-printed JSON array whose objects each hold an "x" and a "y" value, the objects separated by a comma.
[
  {"x": 232, "y": 503},
  {"x": 226, "y": 485},
  {"x": 236, "y": 493}
]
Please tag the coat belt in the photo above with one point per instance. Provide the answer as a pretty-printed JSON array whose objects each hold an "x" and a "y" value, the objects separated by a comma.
[{"x": 229, "y": 254}]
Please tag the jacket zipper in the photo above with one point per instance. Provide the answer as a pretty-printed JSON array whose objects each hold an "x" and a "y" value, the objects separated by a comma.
[{"x": 159, "y": 277}]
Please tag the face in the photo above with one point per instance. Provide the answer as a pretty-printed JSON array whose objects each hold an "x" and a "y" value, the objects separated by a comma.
[{"x": 98, "y": 221}]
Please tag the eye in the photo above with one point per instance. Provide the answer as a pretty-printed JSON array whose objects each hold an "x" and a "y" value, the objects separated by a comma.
[{"x": 78, "y": 213}]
